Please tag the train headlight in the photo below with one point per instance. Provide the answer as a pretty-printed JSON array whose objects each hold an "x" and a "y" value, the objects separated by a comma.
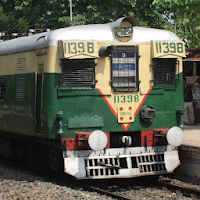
[
  {"x": 98, "y": 140},
  {"x": 147, "y": 113},
  {"x": 175, "y": 136},
  {"x": 124, "y": 31}
]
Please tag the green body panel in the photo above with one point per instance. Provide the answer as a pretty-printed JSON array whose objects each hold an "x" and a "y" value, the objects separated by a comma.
[
  {"x": 85, "y": 122},
  {"x": 168, "y": 104},
  {"x": 17, "y": 109},
  {"x": 82, "y": 106},
  {"x": 83, "y": 109}
]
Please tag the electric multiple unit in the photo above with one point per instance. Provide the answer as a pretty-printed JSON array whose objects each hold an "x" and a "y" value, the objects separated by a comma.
[{"x": 101, "y": 101}]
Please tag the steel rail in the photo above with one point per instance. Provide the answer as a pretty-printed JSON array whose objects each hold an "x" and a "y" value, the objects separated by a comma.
[
  {"x": 101, "y": 191},
  {"x": 62, "y": 177},
  {"x": 185, "y": 190}
]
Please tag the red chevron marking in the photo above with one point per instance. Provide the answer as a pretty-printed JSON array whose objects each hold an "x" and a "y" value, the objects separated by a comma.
[{"x": 113, "y": 111}]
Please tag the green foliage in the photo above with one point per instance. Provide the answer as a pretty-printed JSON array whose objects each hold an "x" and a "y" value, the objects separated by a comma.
[
  {"x": 96, "y": 11},
  {"x": 186, "y": 17},
  {"x": 3, "y": 20},
  {"x": 21, "y": 15}
]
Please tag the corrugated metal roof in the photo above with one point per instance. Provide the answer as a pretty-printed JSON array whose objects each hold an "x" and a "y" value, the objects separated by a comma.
[
  {"x": 193, "y": 59},
  {"x": 192, "y": 79}
]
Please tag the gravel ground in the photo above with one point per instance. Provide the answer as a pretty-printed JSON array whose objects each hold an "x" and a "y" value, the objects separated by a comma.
[
  {"x": 19, "y": 184},
  {"x": 140, "y": 188}
]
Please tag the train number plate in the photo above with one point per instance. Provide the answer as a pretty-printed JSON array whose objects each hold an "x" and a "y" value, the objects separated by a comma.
[
  {"x": 168, "y": 48},
  {"x": 125, "y": 114},
  {"x": 83, "y": 49}
]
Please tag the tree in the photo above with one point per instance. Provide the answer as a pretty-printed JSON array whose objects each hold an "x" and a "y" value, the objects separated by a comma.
[
  {"x": 95, "y": 11},
  {"x": 3, "y": 20},
  {"x": 186, "y": 18},
  {"x": 25, "y": 14}
]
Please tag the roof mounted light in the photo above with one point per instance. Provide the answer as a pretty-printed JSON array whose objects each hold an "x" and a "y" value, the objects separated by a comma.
[
  {"x": 123, "y": 28},
  {"x": 124, "y": 31}
]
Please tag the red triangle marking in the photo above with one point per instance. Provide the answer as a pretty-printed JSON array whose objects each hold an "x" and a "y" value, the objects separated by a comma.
[{"x": 113, "y": 111}]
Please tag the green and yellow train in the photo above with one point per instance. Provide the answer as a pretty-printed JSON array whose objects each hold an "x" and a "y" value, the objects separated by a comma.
[{"x": 97, "y": 101}]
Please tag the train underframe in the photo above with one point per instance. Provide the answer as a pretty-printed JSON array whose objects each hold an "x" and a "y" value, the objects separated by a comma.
[
  {"x": 35, "y": 152},
  {"x": 124, "y": 162}
]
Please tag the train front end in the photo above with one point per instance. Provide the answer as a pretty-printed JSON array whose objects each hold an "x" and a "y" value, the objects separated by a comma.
[{"x": 120, "y": 100}]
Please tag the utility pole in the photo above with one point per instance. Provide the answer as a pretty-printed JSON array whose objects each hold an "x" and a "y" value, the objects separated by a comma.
[{"x": 70, "y": 4}]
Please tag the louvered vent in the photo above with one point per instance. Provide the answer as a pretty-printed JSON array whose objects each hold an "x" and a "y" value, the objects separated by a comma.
[
  {"x": 2, "y": 89},
  {"x": 21, "y": 64},
  {"x": 78, "y": 73},
  {"x": 41, "y": 68},
  {"x": 20, "y": 90}
]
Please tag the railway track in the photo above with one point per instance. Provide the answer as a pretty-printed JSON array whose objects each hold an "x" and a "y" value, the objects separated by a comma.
[
  {"x": 115, "y": 188},
  {"x": 62, "y": 177},
  {"x": 186, "y": 191},
  {"x": 102, "y": 191}
]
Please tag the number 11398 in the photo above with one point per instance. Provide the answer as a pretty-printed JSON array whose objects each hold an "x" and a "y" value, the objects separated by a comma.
[{"x": 126, "y": 99}]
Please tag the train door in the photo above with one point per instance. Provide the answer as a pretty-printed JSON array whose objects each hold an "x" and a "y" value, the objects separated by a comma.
[{"x": 39, "y": 77}]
